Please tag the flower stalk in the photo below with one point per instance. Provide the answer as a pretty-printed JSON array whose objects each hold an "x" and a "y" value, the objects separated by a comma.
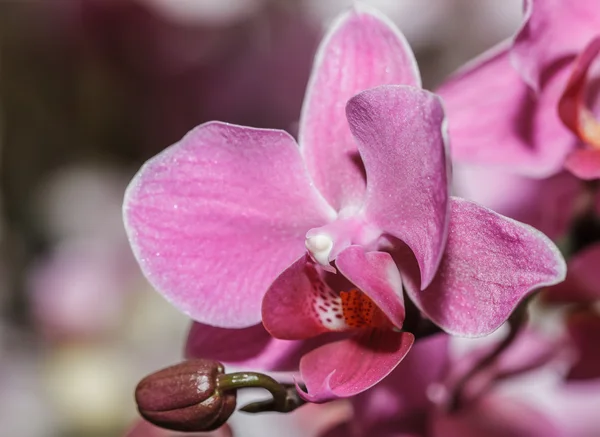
[{"x": 285, "y": 396}]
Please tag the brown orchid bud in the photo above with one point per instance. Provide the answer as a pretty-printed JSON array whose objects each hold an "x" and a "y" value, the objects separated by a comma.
[{"x": 186, "y": 397}]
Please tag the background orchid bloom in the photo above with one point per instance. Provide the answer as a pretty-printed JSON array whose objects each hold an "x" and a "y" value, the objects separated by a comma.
[
  {"x": 582, "y": 284},
  {"x": 522, "y": 394},
  {"x": 324, "y": 237},
  {"x": 530, "y": 104}
]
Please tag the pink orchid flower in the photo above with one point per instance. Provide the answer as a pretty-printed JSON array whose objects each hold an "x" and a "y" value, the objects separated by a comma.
[
  {"x": 236, "y": 225},
  {"x": 531, "y": 104}
]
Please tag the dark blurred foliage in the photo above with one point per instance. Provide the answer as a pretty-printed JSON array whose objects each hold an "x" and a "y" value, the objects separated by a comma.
[{"x": 114, "y": 82}]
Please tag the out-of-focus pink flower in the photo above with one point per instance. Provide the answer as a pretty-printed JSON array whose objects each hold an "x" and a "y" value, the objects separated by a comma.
[
  {"x": 231, "y": 215},
  {"x": 504, "y": 400},
  {"x": 78, "y": 289},
  {"x": 579, "y": 108},
  {"x": 530, "y": 104},
  {"x": 584, "y": 330}
]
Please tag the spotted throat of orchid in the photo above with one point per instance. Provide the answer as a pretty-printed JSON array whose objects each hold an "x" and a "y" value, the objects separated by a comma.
[{"x": 238, "y": 226}]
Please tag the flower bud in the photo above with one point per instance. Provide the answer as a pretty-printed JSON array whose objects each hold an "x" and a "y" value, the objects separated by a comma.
[{"x": 186, "y": 397}]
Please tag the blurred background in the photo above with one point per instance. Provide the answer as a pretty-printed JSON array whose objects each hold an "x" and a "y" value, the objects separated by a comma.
[{"x": 90, "y": 89}]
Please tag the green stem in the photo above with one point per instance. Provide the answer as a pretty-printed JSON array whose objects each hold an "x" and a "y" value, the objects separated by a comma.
[{"x": 285, "y": 396}]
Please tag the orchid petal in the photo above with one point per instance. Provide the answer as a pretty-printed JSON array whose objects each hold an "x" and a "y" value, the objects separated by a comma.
[
  {"x": 493, "y": 119},
  {"x": 376, "y": 275},
  {"x": 250, "y": 348},
  {"x": 363, "y": 49},
  {"x": 553, "y": 30},
  {"x": 491, "y": 263},
  {"x": 348, "y": 367},
  {"x": 215, "y": 218},
  {"x": 572, "y": 106},
  {"x": 401, "y": 140},
  {"x": 581, "y": 119},
  {"x": 575, "y": 406},
  {"x": 584, "y": 163}
]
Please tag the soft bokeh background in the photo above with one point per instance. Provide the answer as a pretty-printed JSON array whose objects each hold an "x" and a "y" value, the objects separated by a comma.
[{"x": 90, "y": 89}]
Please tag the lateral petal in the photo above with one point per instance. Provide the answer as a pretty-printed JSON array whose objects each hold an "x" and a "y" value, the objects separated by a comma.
[{"x": 214, "y": 219}]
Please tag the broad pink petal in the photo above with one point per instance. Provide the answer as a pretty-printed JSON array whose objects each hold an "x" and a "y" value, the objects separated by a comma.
[
  {"x": 572, "y": 106},
  {"x": 582, "y": 283},
  {"x": 553, "y": 30},
  {"x": 491, "y": 263},
  {"x": 584, "y": 329},
  {"x": 376, "y": 275},
  {"x": 216, "y": 217},
  {"x": 363, "y": 49},
  {"x": 348, "y": 367},
  {"x": 529, "y": 351},
  {"x": 495, "y": 120},
  {"x": 298, "y": 303},
  {"x": 401, "y": 139},
  {"x": 250, "y": 348},
  {"x": 584, "y": 163},
  {"x": 575, "y": 406}
]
